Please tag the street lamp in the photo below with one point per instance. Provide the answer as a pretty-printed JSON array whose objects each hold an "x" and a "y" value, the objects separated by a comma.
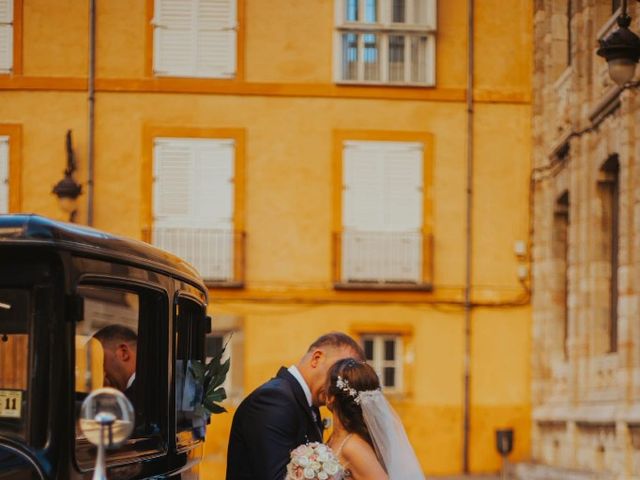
[
  {"x": 68, "y": 190},
  {"x": 621, "y": 50}
]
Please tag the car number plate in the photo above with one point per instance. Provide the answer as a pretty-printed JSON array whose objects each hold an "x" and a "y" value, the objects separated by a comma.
[{"x": 10, "y": 403}]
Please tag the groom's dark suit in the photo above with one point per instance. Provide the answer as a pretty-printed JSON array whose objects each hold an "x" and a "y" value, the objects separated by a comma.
[{"x": 268, "y": 424}]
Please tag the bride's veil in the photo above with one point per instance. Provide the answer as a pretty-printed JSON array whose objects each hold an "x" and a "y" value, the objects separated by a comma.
[{"x": 389, "y": 438}]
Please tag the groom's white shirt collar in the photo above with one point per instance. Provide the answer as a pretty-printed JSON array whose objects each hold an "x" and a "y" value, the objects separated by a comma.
[{"x": 293, "y": 370}]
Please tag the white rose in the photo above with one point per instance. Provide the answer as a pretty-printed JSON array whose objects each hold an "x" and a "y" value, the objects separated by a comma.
[
  {"x": 315, "y": 465},
  {"x": 302, "y": 461},
  {"x": 323, "y": 457},
  {"x": 309, "y": 473},
  {"x": 323, "y": 475},
  {"x": 331, "y": 467}
]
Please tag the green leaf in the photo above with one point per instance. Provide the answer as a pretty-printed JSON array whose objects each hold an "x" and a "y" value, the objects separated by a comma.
[
  {"x": 198, "y": 370},
  {"x": 216, "y": 396},
  {"x": 213, "y": 408}
]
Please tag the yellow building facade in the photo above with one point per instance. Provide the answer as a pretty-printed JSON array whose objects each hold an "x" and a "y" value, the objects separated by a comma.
[{"x": 296, "y": 103}]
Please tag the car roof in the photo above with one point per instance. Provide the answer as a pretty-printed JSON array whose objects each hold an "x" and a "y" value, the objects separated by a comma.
[{"x": 21, "y": 229}]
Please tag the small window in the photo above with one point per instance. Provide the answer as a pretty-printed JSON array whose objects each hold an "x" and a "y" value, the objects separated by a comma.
[
  {"x": 189, "y": 347},
  {"x": 384, "y": 353},
  {"x": 119, "y": 344},
  {"x": 6, "y": 36}
]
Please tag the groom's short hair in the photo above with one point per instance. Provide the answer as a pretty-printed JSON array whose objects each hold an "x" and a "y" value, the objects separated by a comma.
[{"x": 339, "y": 340}]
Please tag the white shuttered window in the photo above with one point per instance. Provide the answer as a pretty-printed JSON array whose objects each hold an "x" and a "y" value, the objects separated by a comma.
[
  {"x": 382, "y": 212},
  {"x": 195, "y": 38},
  {"x": 4, "y": 174},
  {"x": 6, "y": 36},
  {"x": 193, "y": 202}
]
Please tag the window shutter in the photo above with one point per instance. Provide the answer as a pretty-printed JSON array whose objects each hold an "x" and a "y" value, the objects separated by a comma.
[
  {"x": 403, "y": 187},
  {"x": 6, "y": 36},
  {"x": 193, "y": 202},
  {"x": 382, "y": 211},
  {"x": 195, "y": 38},
  {"x": 216, "y": 38},
  {"x": 4, "y": 174},
  {"x": 173, "y": 40},
  {"x": 173, "y": 170},
  {"x": 363, "y": 187}
]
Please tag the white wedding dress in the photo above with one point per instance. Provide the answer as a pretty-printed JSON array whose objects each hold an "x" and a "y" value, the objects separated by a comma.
[{"x": 389, "y": 437}]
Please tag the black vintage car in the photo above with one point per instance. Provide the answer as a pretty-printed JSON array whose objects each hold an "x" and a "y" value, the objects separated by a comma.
[{"x": 60, "y": 286}]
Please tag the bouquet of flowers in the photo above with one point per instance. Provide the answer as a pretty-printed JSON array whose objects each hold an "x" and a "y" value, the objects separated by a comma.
[{"x": 314, "y": 461}]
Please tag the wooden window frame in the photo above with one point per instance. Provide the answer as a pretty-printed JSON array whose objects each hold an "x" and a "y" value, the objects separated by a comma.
[{"x": 341, "y": 136}]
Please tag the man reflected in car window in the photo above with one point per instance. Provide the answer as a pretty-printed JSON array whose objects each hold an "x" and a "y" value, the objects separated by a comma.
[{"x": 120, "y": 345}]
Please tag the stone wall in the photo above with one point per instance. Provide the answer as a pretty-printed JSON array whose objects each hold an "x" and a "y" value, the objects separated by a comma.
[{"x": 586, "y": 322}]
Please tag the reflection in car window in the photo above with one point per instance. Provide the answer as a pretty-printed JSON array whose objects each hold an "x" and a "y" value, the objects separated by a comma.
[
  {"x": 118, "y": 345},
  {"x": 14, "y": 359},
  {"x": 190, "y": 325}
]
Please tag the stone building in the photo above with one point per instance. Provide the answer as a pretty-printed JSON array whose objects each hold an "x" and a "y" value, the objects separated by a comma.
[{"x": 586, "y": 261}]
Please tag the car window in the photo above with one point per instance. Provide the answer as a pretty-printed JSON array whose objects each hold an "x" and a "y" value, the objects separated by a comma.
[
  {"x": 190, "y": 348},
  {"x": 14, "y": 361},
  {"x": 119, "y": 344}
]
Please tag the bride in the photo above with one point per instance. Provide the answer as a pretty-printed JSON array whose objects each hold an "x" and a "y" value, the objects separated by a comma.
[{"x": 368, "y": 438}]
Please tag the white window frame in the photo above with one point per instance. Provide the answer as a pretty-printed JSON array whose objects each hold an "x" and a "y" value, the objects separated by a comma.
[
  {"x": 174, "y": 230},
  {"x": 194, "y": 69},
  {"x": 6, "y": 35},
  {"x": 5, "y": 173},
  {"x": 379, "y": 363},
  {"x": 384, "y": 28}
]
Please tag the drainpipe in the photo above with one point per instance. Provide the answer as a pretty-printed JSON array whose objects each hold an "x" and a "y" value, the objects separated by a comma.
[
  {"x": 91, "y": 100},
  {"x": 469, "y": 240}
]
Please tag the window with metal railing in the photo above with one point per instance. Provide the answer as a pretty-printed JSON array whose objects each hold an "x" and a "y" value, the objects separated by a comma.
[
  {"x": 386, "y": 42},
  {"x": 193, "y": 204},
  {"x": 382, "y": 241}
]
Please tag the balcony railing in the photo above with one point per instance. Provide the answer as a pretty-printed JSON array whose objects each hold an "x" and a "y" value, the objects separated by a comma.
[
  {"x": 218, "y": 255},
  {"x": 383, "y": 259}
]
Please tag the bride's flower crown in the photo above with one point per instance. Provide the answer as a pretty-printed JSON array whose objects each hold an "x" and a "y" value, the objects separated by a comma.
[{"x": 343, "y": 384}]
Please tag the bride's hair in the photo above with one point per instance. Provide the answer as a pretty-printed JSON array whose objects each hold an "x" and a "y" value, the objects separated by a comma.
[{"x": 359, "y": 377}]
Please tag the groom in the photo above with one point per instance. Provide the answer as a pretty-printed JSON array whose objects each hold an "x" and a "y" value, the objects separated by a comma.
[{"x": 283, "y": 413}]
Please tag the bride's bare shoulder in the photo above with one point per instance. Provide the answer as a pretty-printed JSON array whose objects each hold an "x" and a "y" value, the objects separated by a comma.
[
  {"x": 357, "y": 445},
  {"x": 362, "y": 459}
]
